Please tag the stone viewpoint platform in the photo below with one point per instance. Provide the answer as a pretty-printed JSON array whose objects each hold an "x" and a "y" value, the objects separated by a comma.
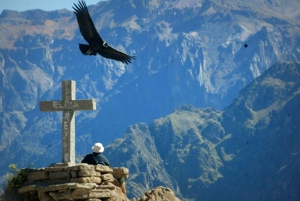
[
  {"x": 75, "y": 182},
  {"x": 82, "y": 182}
]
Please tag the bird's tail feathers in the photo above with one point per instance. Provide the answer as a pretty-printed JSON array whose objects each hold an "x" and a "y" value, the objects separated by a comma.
[{"x": 86, "y": 49}]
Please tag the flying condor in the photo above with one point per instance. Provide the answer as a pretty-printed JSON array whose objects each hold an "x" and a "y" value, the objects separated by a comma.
[{"x": 95, "y": 43}]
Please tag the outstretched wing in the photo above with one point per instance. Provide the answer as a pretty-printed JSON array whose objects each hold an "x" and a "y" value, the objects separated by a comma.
[
  {"x": 112, "y": 53},
  {"x": 86, "y": 25}
]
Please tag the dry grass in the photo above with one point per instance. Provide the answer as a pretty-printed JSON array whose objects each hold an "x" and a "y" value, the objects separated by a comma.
[{"x": 12, "y": 29}]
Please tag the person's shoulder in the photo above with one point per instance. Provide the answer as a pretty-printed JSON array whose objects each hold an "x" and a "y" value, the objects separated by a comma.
[{"x": 88, "y": 155}]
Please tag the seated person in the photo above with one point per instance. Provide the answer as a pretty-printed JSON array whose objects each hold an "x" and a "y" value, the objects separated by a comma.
[{"x": 96, "y": 157}]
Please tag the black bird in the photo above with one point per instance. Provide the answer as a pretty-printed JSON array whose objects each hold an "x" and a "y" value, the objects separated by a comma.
[
  {"x": 90, "y": 34},
  {"x": 245, "y": 45}
]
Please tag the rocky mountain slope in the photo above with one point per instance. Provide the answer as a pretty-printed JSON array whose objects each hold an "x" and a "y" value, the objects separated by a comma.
[
  {"x": 188, "y": 52},
  {"x": 248, "y": 151}
]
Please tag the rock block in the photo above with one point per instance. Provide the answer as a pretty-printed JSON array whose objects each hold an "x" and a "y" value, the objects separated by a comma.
[
  {"x": 103, "y": 169},
  {"x": 58, "y": 181},
  {"x": 62, "y": 195},
  {"x": 108, "y": 186},
  {"x": 26, "y": 189},
  {"x": 100, "y": 193},
  {"x": 61, "y": 164},
  {"x": 59, "y": 175},
  {"x": 83, "y": 185},
  {"x": 71, "y": 168},
  {"x": 35, "y": 169},
  {"x": 55, "y": 169},
  {"x": 47, "y": 188},
  {"x": 96, "y": 180},
  {"x": 43, "y": 196},
  {"x": 107, "y": 177},
  {"x": 74, "y": 174},
  {"x": 37, "y": 176},
  {"x": 118, "y": 184},
  {"x": 120, "y": 172},
  {"x": 84, "y": 166},
  {"x": 118, "y": 195},
  {"x": 80, "y": 193},
  {"x": 88, "y": 173}
]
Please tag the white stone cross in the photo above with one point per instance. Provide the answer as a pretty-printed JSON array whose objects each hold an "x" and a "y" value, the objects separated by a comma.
[{"x": 68, "y": 105}]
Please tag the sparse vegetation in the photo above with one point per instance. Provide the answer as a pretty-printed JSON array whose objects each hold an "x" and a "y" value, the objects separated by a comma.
[
  {"x": 16, "y": 177},
  {"x": 123, "y": 184}
]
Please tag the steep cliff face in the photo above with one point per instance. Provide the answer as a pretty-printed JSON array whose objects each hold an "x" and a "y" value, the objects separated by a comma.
[
  {"x": 248, "y": 151},
  {"x": 137, "y": 151},
  {"x": 266, "y": 144},
  {"x": 188, "y": 52}
]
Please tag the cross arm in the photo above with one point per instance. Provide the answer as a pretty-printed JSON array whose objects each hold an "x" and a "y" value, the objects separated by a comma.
[{"x": 52, "y": 106}]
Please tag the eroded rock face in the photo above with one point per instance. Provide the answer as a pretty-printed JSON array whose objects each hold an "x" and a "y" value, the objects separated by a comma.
[{"x": 158, "y": 194}]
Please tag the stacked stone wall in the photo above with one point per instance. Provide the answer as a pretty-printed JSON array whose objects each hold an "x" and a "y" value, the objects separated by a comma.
[{"x": 81, "y": 182}]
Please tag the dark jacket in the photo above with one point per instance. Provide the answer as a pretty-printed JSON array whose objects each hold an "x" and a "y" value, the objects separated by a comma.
[{"x": 95, "y": 158}]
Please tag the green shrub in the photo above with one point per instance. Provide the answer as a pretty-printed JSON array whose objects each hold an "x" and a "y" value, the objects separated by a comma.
[{"x": 16, "y": 177}]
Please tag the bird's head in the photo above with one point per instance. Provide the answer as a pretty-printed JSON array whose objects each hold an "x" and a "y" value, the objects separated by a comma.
[{"x": 105, "y": 44}]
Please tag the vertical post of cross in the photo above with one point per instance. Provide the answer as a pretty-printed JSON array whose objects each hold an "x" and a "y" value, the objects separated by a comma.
[{"x": 68, "y": 122}]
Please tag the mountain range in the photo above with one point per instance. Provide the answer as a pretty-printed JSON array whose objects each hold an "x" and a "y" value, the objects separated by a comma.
[
  {"x": 191, "y": 54},
  {"x": 248, "y": 151}
]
